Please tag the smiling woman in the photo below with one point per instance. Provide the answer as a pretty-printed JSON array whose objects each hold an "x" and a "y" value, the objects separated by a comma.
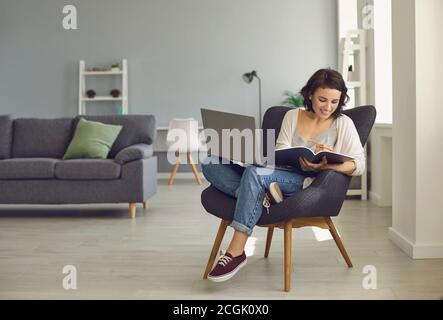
[
  {"x": 322, "y": 127},
  {"x": 324, "y": 95},
  {"x": 323, "y": 85}
]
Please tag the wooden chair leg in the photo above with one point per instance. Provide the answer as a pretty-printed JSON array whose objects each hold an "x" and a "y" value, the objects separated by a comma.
[
  {"x": 288, "y": 254},
  {"x": 194, "y": 169},
  {"x": 145, "y": 204},
  {"x": 132, "y": 209},
  {"x": 338, "y": 241},
  {"x": 174, "y": 171},
  {"x": 218, "y": 240},
  {"x": 269, "y": 240}
]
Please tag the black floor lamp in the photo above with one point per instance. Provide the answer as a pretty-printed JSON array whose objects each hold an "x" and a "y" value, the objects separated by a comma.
[{"x": 248, "y": 77}]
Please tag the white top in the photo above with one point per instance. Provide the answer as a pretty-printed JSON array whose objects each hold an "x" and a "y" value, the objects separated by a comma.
[
  {"x": 328, "y": 137},
  {"x": 348, "y": 141}
]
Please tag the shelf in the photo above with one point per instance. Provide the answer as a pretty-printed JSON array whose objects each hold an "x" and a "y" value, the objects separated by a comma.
[
  {"x": 85, "y": 74},
  {"x": 100, "y": 73},
  {"x": 104, "y": 98}
]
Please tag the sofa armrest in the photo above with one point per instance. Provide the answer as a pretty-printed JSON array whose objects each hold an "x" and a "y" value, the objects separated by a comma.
[{"x": 134, "y": 152}]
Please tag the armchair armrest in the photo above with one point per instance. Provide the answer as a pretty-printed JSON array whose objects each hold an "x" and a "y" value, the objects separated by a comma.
[
  {"x": 324, "y": 197},
  {"x": 134, "y": 152}
]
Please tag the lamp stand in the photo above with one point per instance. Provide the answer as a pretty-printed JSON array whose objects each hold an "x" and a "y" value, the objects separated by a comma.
[{"x": 259, "y": 103}]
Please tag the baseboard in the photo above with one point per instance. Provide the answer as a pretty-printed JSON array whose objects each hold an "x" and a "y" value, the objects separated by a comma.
[
  {"x": 428, "y": 251},
  {"x": 401, "y": 242},
  {"x": 416, "y": 251},
  {"x": 378, "y": 200},
  {"x": 375, "y": 198}
]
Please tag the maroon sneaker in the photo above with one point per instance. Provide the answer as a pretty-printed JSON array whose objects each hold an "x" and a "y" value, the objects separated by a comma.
[{"x": 226, "y": 267}]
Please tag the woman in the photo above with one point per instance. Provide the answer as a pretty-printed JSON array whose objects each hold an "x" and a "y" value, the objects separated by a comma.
[{"x": 322, "y": 126}]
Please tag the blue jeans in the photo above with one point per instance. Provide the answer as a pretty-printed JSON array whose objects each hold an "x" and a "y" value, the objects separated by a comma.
[{"x": 248, "y": 185}]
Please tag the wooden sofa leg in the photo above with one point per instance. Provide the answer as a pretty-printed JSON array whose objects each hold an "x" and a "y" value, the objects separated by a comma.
[
  {"x": 218, "y": 240},
  {"x": 269, "y": 240},
  {"x": 288, "y": 254},
  {"x": 145, "y": 204},
  {"x": 338, "y": 241},
  {"x": 132, "y": 209}
]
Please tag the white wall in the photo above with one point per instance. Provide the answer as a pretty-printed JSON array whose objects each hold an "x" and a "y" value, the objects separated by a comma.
[
  {"x": 429, "y": 105},
  {"x": 183, "y": 54},
  {"x": 404, "y": 127},
  {"x": 364, "y": 18},
  {"x": 417, "y": 213},
  {"x": 383, "y": 60},
  {"x": 379, "y": 49},
  {"x": 347, "y": 20},
  {"x": 381, "y": 165},
  {"x": 347, "y": 16},
  {"x": 381, "y": 135}
]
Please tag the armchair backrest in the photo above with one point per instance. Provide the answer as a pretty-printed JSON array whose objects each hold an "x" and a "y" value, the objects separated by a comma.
[
  {"x": 363, "y": 117},
  {"x": 272, "y": 120}
]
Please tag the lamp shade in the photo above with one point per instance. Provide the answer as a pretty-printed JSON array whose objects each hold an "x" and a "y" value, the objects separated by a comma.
[
  {"x": 183, "y": 135},
  {"x": 247, "y": 77}
]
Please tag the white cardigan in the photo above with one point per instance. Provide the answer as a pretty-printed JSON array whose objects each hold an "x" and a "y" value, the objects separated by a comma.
[{"x": 348, "y": 140}]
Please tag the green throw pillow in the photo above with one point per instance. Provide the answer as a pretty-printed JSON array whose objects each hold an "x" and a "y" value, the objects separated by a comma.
[{"x": 92, "y": 140}]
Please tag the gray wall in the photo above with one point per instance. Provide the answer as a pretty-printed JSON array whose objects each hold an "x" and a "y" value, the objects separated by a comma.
[{"x": 182, "y": 55}]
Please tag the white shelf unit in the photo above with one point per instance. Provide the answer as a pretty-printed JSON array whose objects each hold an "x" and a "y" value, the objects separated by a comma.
[
  {"x": 353, "y": 52},
  {"x": 83, "y": 74}
]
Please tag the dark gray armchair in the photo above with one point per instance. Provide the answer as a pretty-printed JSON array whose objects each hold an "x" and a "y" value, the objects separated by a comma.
[{"x": 314, "y": 206}]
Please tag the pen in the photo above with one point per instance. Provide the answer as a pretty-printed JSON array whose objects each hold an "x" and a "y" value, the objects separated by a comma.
[{"x": 321, "y": 146}]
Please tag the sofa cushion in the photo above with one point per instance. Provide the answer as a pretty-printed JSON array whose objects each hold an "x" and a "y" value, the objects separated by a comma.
[
  {"x": 87, "y": 169},
  {"x": 41, "y": 138},
  {"x": 136, "y": 129},
  {"x": 27, "y": 168},
  {"x": 5, "y": 136},
  {"x": 92, "y": 140}
]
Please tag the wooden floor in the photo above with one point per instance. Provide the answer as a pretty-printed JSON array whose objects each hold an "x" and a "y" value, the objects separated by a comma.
[{"x": 163, "y": 252}]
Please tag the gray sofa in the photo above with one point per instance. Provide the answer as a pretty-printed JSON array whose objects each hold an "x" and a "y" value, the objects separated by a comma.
[{"x": 32, "y": 170}]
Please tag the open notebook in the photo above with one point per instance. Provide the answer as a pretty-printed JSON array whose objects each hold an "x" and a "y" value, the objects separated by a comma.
[{"x": 290, "y": 156}]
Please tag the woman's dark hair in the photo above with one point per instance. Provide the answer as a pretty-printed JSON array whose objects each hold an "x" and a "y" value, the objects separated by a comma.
[{"x": 326, "y": 79}]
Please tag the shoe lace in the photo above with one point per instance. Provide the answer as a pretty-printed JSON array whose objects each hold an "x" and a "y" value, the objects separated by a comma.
[
  {"x": 266, "y": 203},
  {"x": 224, "y": 260}
]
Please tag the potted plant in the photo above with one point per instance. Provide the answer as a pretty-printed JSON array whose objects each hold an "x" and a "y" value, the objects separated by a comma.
[
  {"x": 115, "y": 67},
  {"x": 294, "y": 100}
]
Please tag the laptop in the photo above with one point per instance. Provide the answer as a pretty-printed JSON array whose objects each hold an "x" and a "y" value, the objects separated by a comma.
[{"x": 247, "y": 147}]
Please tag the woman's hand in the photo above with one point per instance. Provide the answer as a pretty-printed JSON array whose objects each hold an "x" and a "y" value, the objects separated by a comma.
[
  {"x": 309, "y": 166},
  {"x": 323, "y": 147},
  {"x": 347, "y": 167}
]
